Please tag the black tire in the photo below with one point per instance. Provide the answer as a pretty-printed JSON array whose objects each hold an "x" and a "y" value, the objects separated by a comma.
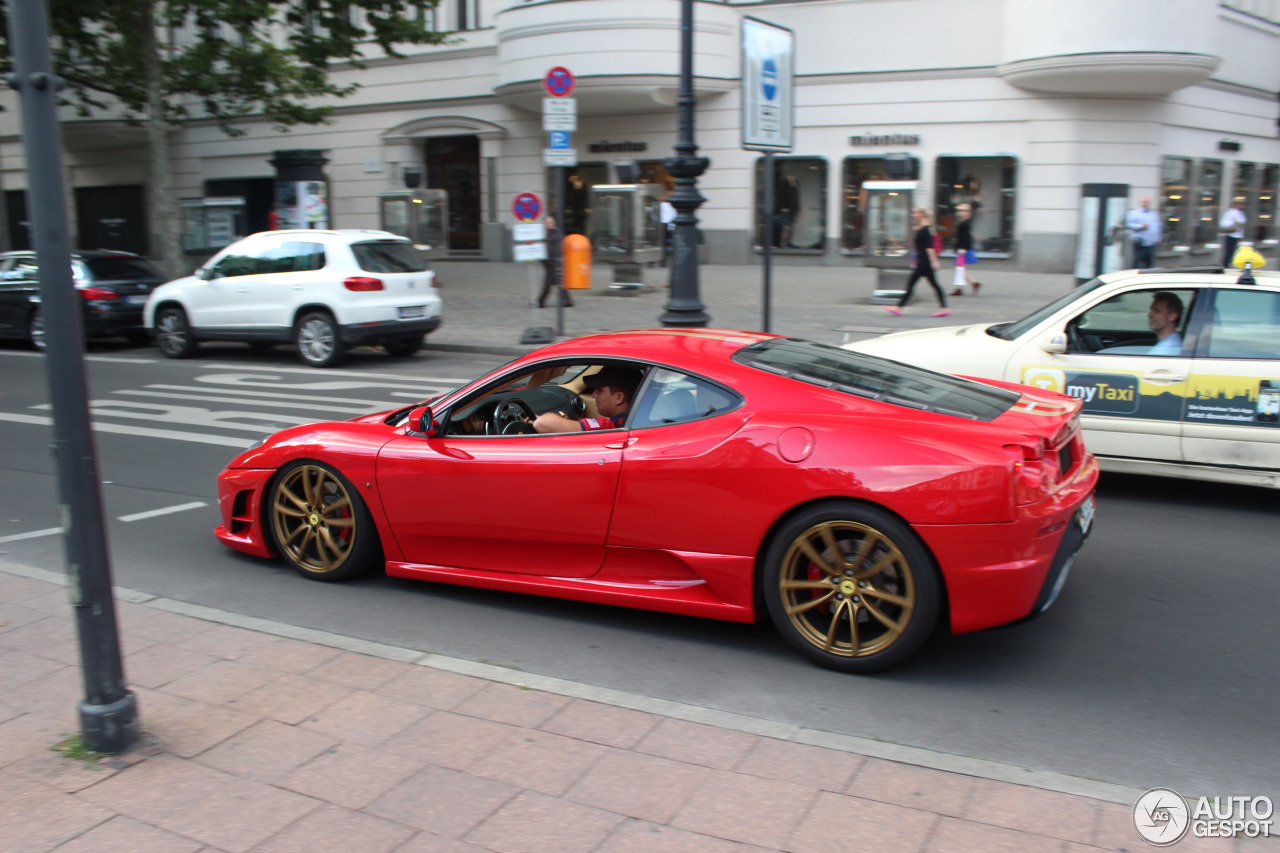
[
  {"x": 316, "y": 339},
  {"x": 404, "y": 347},
  {"x": 319, "y": 522},
  {"x": 173, "y": 333},
  {"x": 35, "y": 330},
  {"x": 851, "y": 587}
]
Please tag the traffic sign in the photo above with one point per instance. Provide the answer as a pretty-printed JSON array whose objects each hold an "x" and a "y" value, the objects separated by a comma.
[
  {"x": 559, "y": 157},
  {"x": 559, "y": 139},
  {"x": 559, "y": 82},
  {"x": 526, "y": 207},
  {"x": 559, "y": 114}
]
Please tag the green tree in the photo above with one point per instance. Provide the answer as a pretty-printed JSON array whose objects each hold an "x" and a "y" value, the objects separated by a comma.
[{"x": 161, "y": 62}]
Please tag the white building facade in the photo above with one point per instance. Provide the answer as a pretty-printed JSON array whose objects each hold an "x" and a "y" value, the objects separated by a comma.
[{"x": 1015, "y": 106}]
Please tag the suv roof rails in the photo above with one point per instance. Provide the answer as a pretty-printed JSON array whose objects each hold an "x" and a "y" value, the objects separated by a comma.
[{"x": 1208, "y": 268}]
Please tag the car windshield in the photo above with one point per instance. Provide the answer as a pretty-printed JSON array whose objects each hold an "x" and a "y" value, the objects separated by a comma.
[
  {"x": 387, "y": 256},
  {"x": 121, "y": 267},
  {"x": 877, "y": 378},
  {"x": 1016, "y": 329}
]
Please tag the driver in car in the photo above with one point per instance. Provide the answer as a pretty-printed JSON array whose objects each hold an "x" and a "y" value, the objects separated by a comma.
[
  {"x": 612, "y": 388},
  {"x": 1163, "y": 318}
]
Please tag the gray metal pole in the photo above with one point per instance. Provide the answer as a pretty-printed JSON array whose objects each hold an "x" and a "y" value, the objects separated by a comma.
[
  {"x": 766, "y": 219},
  {"x": 685, "y": 307},
  {"x": 109, "y": 711}
]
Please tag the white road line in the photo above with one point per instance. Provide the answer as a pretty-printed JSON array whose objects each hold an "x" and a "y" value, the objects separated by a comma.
[
  {"x": 276, "y": 403},
  {"x": 144, "y": 432},
  {"x": 21, "y": 354},
  {"x": 116, "y": 360},
  {"x": 34, "y": 534},
  {"x": 152, "y": 513},
  {"x": 311, "y": 371},
  {"x": 275, "y": 395}
]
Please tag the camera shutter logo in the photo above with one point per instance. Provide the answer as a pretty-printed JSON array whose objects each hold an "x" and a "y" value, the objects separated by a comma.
[{"x": 1161, "y": 817}]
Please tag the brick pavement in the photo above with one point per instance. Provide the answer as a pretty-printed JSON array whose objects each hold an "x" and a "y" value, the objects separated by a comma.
[{"x": 268, "y": 738}]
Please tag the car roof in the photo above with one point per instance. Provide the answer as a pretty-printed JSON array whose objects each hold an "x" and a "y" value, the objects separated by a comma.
[
  {"x": 348, "y": 234},
  {"x": 691, "y": 348},
  {"x": 1193, "y": 276}
]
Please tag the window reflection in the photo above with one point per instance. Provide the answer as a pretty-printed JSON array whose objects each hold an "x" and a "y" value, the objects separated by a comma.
[{"x": 798, "y": 220}]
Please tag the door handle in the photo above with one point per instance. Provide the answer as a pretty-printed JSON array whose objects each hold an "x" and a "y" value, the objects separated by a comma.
[
  {"x": 620, "y": 445},
  {"x": 1163, "y": 376}
]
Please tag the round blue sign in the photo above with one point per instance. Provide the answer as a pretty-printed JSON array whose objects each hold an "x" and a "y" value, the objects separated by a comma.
[
  {"x": 769, "y": 78},
  {"x": 526, "y": 207},
  {"x": 558, "y": 82}
]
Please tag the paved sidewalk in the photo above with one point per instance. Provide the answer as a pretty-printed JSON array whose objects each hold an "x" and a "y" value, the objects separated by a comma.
[
  {"x": 270, "y": 738},
  {"x": 487, "y": 305}
]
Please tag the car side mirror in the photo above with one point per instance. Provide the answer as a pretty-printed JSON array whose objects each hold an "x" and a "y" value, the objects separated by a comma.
[
  {"x": 423, "y": 422},
  {"x": 1055, "y": 343},
  {"x": 205, "y": 273}
]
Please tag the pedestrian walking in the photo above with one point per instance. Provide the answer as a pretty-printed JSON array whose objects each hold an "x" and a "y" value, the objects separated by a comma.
[
  {"x": 965, "y": 254},
  {"x": 551, "y": 266},
  {"x": 925, "y": 255},
  {"x": 1231, "y": 226},
  {"x": 1145, "y": 231}
]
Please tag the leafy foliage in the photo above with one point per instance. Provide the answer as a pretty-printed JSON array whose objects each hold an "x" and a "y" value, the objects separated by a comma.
[{"x": 222, "y": 59}]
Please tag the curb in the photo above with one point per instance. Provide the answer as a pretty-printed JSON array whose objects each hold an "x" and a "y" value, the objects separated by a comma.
[{"x": 916, "y": 756}]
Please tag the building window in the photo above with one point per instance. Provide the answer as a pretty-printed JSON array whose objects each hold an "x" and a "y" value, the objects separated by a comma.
[
  {"x": 468, "y": 15},
  {"x": 989, "y": 185},
  {"x": 1264, "y": 230},
  {"x": 1175, "y": 203},
  {"x": 798, "y": 221},
  {"x": 1207, "y": 203},
  {"x": 857, "y": 170}
]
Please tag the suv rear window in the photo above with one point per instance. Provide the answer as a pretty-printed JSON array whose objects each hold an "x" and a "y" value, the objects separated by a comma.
[
  {"x": 121, "y": 268},
  {"x": 388, "y": 256},
  {"x": 877, "y": 378}
]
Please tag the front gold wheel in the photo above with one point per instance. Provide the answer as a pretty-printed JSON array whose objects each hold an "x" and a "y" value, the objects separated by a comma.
[
  {"x": 320, "y": 525},
  {"x": 851, "y": 587}
]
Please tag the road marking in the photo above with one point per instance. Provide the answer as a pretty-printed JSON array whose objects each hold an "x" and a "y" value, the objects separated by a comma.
[
  {"x": 34, "y": 534},
  {"x": 312, "y": 407},
  {"x": 275, "y": 395},
  {"x": 144, "y": 432},
  {"x": 311, "y": 371},
  {"x": 116, "y": 360},
  {"x": 152, "y": 513},
  {"x": 21, "y": 354}
]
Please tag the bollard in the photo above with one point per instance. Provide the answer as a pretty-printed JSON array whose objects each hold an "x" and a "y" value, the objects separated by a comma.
[{"x": 575, "y": 257}]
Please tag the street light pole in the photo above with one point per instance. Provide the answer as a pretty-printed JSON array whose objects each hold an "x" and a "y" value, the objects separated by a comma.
[{"x": 685, "y": 308}]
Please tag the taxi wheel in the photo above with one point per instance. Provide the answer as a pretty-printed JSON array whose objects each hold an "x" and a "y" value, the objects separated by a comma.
[
  {"x": 851, "y": 587},
  {"x": 316, "y": 337},
  {"x": 320, "y": 524}
]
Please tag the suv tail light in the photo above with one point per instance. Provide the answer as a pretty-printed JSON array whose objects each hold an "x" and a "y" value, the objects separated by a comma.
[
  {"x": 362, "y": 283},
  {"x": 98, "y": 293},
  {"x": 1034, "y": 472}
]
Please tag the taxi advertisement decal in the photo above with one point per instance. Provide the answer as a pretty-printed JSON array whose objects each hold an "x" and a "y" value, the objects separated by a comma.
[{"x": 1235, "y": 400}]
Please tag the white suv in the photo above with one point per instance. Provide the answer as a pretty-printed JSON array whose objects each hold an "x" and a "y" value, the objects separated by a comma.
[{"x": 322, "y": 291}]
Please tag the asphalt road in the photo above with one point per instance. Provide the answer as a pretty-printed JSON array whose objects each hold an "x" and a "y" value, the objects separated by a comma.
[{"x": 1155, "y": 668}]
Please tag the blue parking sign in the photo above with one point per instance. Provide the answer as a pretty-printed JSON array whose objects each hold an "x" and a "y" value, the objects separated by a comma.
[{"x": 559, "y": 139}]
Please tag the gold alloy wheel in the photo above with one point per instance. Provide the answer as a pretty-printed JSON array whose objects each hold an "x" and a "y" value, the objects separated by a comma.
[
  {"x": 847, "y": 589},
  {"x": 314, "y": 519}
]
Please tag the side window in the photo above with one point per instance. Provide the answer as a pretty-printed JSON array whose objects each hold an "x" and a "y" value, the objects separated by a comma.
[
  {"x": 1137, "y": 322},
  {"x": 21, "y": 269},
  {"x": 238, "y": 263},
  {"x": 673, "y": 398},
  {"x": 1245, "y": 324},
  {"x": 293, "y": 256}
]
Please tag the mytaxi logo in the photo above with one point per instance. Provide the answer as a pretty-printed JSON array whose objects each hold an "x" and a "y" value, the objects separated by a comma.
[{"x": 1046, "y": 378}]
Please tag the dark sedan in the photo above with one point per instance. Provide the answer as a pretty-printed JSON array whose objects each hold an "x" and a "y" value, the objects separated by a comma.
[{"x": 113, "y": 287}]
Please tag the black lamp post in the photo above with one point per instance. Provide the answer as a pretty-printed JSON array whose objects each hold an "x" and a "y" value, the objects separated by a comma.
[{"x": 685, "y": 307}]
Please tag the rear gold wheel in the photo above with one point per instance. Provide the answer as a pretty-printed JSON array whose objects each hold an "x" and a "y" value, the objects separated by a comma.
[
  {"x": 851, "y": 587},
  {"x": 320, "y": 524}
]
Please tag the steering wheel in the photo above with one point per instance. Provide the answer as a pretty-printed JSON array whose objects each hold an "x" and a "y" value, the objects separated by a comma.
[
  {"x": 1075, "y": 339},
  {"x": 509, "y": 418}
]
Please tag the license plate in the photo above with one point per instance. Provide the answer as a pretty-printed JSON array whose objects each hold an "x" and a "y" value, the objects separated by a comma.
[
  {"x": 412, "y": 311},
  {"x": 1085, "y": 516},
  {"x": 139, "y": 299}
]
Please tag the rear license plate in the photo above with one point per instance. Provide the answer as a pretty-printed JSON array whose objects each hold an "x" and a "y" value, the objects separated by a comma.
[
  {"x": 138, "y": 299},
  {"x": 412, "y": 311},
  {"x": 1085, "y": 516}
]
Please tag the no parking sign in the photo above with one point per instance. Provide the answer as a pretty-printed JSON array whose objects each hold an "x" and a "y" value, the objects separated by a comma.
[{"x": 526, "y": 207}]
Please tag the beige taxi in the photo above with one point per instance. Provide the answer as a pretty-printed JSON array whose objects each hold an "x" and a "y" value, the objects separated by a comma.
[{"x": 1178, "y": 369}]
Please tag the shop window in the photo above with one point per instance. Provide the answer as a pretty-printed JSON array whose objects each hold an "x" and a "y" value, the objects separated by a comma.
[
  {"x": 989, "y": 186},
  {"x": 858, "y": 170},
  {"x": 798, "y": 221},
  {"x": 578, "y": 181},
  {"x": 1264, "y": 229},
  {"x": 1207, "y": 204},
  {"x": 1175, "y": 202}
]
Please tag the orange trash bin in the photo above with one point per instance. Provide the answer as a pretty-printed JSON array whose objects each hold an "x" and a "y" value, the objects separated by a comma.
[{"x": 575, "y": 255}]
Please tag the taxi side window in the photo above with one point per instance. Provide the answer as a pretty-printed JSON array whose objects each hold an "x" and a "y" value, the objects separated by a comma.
[
  {"x": 1121, "y": 326},
  {"x": 674, "y": 398},
  {"x": 1245, "y": 324}
]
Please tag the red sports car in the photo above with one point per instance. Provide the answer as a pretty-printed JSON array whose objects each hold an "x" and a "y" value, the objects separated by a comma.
[{"x": 858, "y": 500}]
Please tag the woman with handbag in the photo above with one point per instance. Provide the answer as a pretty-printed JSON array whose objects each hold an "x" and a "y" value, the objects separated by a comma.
[
  {"x": 925, "y": 257},
  {"x": 965, "y": 255}
]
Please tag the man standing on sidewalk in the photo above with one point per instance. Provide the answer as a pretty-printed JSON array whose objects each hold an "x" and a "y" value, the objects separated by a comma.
[
  {"x": 1144, "y": 224},
  {"x": 1231, "y": 226}
]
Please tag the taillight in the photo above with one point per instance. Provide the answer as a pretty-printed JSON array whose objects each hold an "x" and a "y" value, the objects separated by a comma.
[
  {"x": 362, "y": 283},
  {"x": 98, "y": 293},
  {"x": 1034, "y": 473}
]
